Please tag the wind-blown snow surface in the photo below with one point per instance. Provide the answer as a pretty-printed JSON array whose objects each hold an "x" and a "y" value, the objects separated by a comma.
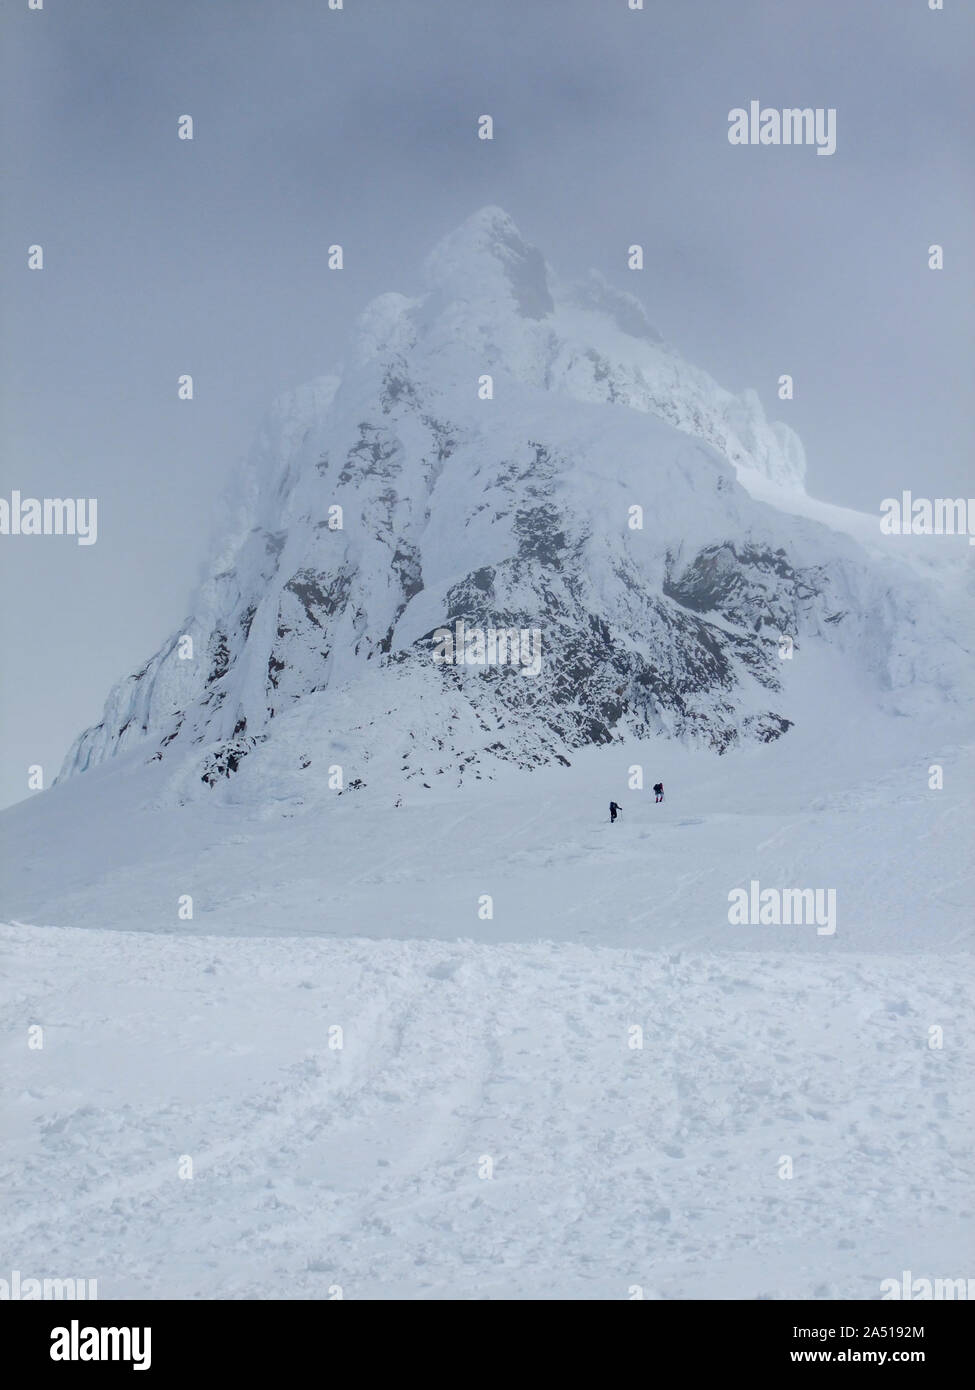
[
  {"x": 361, "y": 1167},
  {"x": 470, "y": 1037}
]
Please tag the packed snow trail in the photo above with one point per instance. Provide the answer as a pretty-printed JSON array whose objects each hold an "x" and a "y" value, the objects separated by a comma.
[{"x": 362, "y": 1166}]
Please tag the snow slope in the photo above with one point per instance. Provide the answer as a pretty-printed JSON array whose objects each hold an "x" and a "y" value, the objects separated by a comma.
[
  {"x": 615, "y": 1168},
  {"x": 362, "y": 1168},
  {"x": 845, "y": 802}
]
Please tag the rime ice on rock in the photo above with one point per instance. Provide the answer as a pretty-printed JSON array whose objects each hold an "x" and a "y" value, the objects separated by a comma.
[{"x": 511, "y": 512}]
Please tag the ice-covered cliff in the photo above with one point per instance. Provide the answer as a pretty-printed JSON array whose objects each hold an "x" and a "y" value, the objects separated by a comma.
[{"x": 510, "y": 452}]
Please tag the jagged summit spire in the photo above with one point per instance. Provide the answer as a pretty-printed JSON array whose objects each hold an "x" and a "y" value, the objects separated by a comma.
[{"x": 486, "y": 256}]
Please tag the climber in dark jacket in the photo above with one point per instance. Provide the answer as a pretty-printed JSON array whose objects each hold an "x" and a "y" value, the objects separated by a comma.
[
  {"x": 614, "y": 810},
  {"x": 658, "y": 792}
]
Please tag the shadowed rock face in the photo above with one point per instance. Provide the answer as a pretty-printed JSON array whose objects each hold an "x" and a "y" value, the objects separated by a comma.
[
  {"x": 525, "y": 270},
  {"x": 382, "y": 506},
  {"x": 751, "y": 586}
]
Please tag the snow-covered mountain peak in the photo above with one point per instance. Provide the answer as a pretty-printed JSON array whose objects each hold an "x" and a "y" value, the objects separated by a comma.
[
  {"x": 494, "y": 306},
  {"x": 487, "y": 258},
  {"x": 512, "y": 453}
]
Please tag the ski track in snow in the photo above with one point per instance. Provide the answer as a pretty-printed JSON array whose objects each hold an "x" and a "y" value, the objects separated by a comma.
[{"x": 358, "y": 1167}]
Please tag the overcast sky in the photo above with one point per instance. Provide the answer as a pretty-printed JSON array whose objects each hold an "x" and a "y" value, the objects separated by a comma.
[{"x": 358, "y": 126}]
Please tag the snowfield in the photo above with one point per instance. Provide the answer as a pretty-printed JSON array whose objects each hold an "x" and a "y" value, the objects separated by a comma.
[
  {"x": 843, "y": 802},
  {"x": 361, "y": 1168}
]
